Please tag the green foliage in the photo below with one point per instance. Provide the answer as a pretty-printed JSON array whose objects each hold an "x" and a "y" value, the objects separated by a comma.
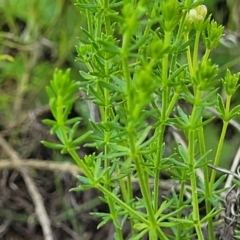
[
  {"x": 35, "y": 38},
  {"x": 38, "y": 36},
  {"x": 62, "y": 93},
  {"x": 132, "y": 52}
]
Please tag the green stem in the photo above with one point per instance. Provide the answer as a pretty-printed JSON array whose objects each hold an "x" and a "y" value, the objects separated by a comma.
[
  {"x": 167, "y": 40},
  {"x": 191, "y": 154},
  {"x": 193, "y": 180},
  {"x": 132, "y": 212},
  {"x": 106, "y": 119},
  {"x": 206, "y": 55},
  {"x": 201, "y": 138},
  {"x": 187, "y": 3},
  {"x": 221, "y": 141},
  {"x": 132, "y": 141},
  {"x": 127, "y": 194},
  {"x": 160, "y": 130},
  {"x": 180, "y": 204},
  {"x": 195, "y": 51},
  {"x": 205, "y": 168},
  {"x": 90, "y": 24},
  {"x": 189, "y": 58},
  {"x": 206, "y": 183}
]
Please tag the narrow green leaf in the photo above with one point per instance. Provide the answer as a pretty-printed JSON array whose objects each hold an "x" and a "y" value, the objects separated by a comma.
[
  {"x": 237, "y": 182},
  {"x": 110, "y": 86},
  {"x": 109, "y": 47},
  {"x": 163, "y": 207},
  {"x": 53, "y": 145},
  {"x": 115, "y": 155},
  {"x": 183, "y": 153},
  {"x": 211, "y": 214},
  {"x": 87, "y": 76},
  {"x": 49, "y": 122},
  {"x": 96, "y": 94},
  {"x": 73, "y": 120},
  {"x": 234, "y": 112},
  {"x": 84, "y": 30},
  {"x": 219, "y": 181},
  {"x": 172, "y": 213},
  {"x": 220, "y": 107},
  {"x": 140, "y": 226},
  {"x": 96, "y": 127},
  {"x": 200, "y": 162},
  {"x": 81, "y": 188},
  {"x": 169, "y": 224},
  {"x": 143, "y": 135},
  {"x": 51, "y": 94},
  {"x": 97, "y": 168},
  {"x": 104, "y": 222},
  {"x": 139, "y": 235},
  {"x": 73, "y": 130},
  {"x": 177, "y": 72},
  {"x": 82, "y": 138},
  {"x": 183, "y": 116}
]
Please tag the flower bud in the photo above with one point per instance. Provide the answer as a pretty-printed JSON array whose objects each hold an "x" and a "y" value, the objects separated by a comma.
[
  {"x": 170, "y": 12},
  {"x": 206, "y": 75},
  {"x": 230, "y": 82},
  {"x": 201, "y": 11},
  {"x": 212, "y": 35},
  {"x": 156, "y": 48},
  {"x": 196, "y": 16}
]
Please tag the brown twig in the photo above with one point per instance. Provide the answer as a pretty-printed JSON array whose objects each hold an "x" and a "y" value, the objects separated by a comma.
[
  {"x": 40, "y": 164},
  {"x": 72, "y": 169},
  {"x": 32, "y": 189}
]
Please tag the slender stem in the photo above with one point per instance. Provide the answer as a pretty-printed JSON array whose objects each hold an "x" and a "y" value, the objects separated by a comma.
[
  {"x": 106, "y": 119},
  {"x": 205, "y": 167},
  {"x": 160, "y": 130},
  {"x": 189, "y": 58},
  {"x": 102, "y": 188},
  {"x": 206, "y": 183},
  {"x": 89, "y": 22},
  {"x": 167, "y": 40},
  {"x": 193, "y": 180},
  {"x": 82, "y": 165},
  {"x": 206, "y": 55},
  {"x": 187, "y": 3},
  {"x": 146, "y": 195},
  {"x": 221, "y": 141},
  {"x": 127, "y": 194},
  {"x": 180, "y": 204},
  {"x": 131, "y": 131},
  {"x": 109, "y": 195},
  {"x": 132, "y": 212},
  {"x": 191, "y": 154},
  {"x": 195, "y": 51}
]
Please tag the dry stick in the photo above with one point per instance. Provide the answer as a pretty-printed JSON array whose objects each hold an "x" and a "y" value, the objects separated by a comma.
[
  {"x": 32, "y": 189},
  {"x": 40, "y": 164},
  {"x": 73, "y": 169},
  {"x": 234, "y": 166}
]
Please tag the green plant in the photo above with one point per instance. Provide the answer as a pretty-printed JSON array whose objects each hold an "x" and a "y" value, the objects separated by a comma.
[
  {"x": 142, "y": 60},
  {"x": 40, "y": 37}
]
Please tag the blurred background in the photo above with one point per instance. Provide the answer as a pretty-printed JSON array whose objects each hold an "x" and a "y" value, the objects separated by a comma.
[{"x": 35, "y": 38}]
